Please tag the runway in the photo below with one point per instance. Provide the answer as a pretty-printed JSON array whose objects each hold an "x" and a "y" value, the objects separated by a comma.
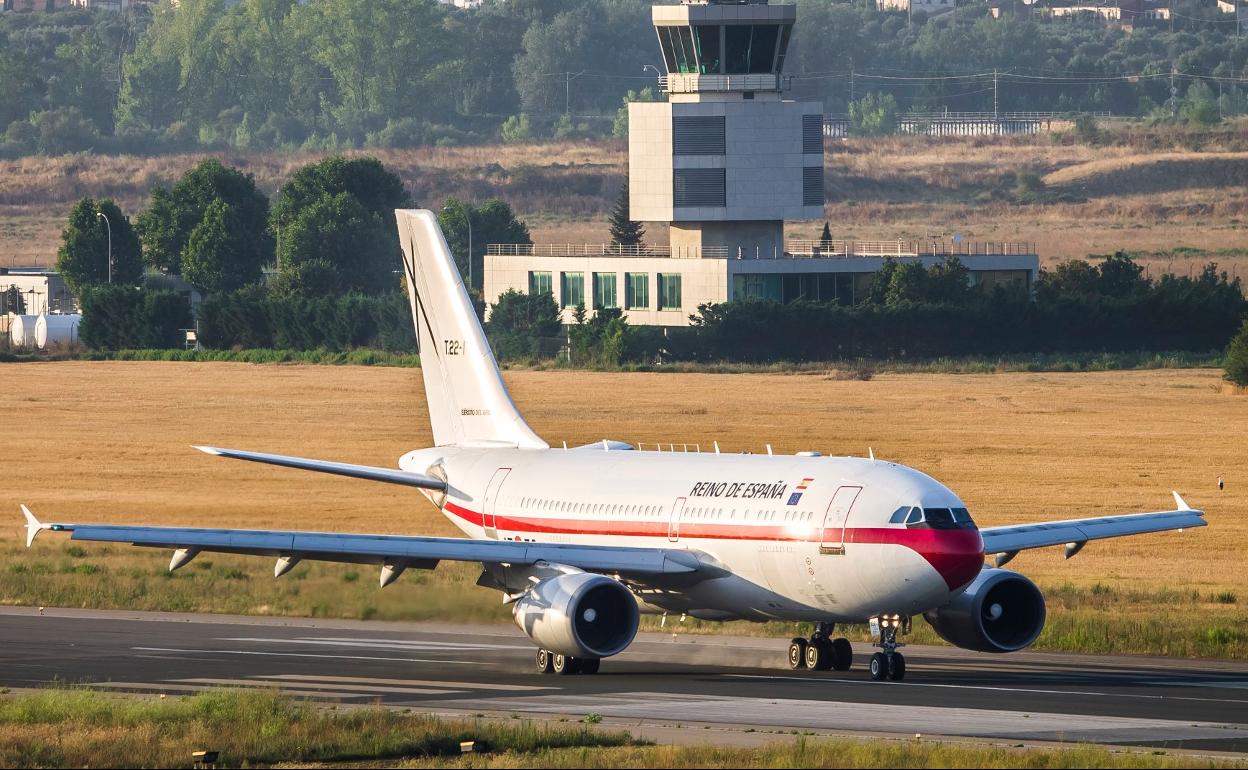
[{"x": 725, "y": 683}]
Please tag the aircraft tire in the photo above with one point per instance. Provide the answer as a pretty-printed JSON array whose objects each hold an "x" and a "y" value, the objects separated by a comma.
[
  {"x": 879, "y": 667},
  {"x": 797, "y": 654},
  {"x": 842, "y": 654},
  {"x": 565, "y": 665},
  {"x": 819, "y": 655},
  {"x": 545, "y": 661},
  {"x": 897, "y": 671}
]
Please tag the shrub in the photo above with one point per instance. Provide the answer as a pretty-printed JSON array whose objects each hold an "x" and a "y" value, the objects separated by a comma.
[{"x": 1236, "y": 363}]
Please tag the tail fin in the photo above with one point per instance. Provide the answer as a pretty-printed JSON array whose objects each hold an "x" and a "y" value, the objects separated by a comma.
[{"x": 468, "y": 402}]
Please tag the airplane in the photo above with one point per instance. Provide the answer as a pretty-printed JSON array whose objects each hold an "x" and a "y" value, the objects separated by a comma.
[{"x": 581, "y": 541}]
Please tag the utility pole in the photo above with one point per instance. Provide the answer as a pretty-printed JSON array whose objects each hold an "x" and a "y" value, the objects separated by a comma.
[
  {"x": 851, "y": 83},
  {"x": 568, "y": 77},
  {"x": 995, "y": 103},
  {"x": 1174, "y": 93}
]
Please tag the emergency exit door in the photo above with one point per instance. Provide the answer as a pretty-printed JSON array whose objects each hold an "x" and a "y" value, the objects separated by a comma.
[{"x": 836, "y": 518}]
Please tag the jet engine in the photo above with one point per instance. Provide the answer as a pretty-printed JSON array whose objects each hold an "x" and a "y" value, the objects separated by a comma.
[
  {"x": 580, "y": 614},
  {"x": 1000, "y": 611}
]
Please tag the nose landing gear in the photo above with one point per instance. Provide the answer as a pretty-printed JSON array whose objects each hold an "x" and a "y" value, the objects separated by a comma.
[
  {"x": 888, "y": 663},
  {"x": 820, "y": 653}
]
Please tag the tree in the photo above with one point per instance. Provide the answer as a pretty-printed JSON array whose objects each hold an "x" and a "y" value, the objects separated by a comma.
[
  {"x": 877, "y": 292},
  {"x": 491, "y": 222},
  {"x": 1072, "y": 279},
  {"x": 909, "y": 283},
  {"x": 1236, "y": 362},
  {"x": 1200, "y": 106},
  {"x": 873, "y": 115},
  {"x": 166, "y": 225},
  {"x": 825, "y": 238},
  {"x": 1120, "y": 276},
  {"x": 334, "y": 245},
  {"x": 83, "y": 259},
  {"x": 949, "y": 282},
  {"x": 625, "y": 231},
  {"x": 340, "y": 212},
  {"x": 519, "y": 321},
  {"x": 217, "y": 258}
]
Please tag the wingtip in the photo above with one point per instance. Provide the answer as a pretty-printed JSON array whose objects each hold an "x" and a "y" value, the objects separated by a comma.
[
  {"x": 33, "y": 525},
  {"x": 1180, "y": 503},
  {"x": 208, "y": 450}
]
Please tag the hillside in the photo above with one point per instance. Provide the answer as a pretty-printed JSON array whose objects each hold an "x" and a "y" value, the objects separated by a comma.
[{"x": 1139, "y": 191}]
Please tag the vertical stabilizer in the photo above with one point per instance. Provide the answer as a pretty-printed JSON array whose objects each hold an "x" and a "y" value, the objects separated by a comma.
[{"x": 468, "y": 402}]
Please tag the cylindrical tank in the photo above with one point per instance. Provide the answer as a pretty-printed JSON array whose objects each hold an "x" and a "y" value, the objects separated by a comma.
[
  {"x": 56, "y": 330},
  {"x": 22, "y": 331}
]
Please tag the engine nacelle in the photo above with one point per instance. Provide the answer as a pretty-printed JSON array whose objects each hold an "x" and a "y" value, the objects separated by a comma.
[
  {"x": 580, "y": 614},
  {"x": 1000, "y": 611}
]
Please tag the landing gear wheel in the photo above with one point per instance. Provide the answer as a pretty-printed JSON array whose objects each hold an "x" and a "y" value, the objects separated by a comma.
[
  {"x": 897, "y": 669},
  {"x": 797, "y": 654},
  {"x": 590, "y": 665},
  {"x": 545, "y": 662},
  {"x": 565, "y": 664},
  {"x": 842, "y": 655},
  {"x": 879, "y": 667},
  {"x": 819, "y": 655}
]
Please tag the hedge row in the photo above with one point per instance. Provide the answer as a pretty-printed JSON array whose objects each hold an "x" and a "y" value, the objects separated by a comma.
[
  {"x": 252, "y": 319},
  {"x": 115, "y": 317}
]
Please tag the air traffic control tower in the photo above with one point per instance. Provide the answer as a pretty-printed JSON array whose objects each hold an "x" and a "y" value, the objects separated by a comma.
[{"x": 726, "y": 159}]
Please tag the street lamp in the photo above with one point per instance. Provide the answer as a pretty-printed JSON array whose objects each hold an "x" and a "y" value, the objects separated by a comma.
[{"x": 109, "y": 225}]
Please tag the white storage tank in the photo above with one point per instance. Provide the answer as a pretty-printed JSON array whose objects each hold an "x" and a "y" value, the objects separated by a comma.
[
  {"x": 22, "y": 331},
  {"x": 56, "y": 330}
]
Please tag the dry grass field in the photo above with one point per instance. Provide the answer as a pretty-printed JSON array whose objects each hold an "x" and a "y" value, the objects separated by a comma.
[
  {"x": 109, "y": 442},
  {"x": 1141, "y": 191}
]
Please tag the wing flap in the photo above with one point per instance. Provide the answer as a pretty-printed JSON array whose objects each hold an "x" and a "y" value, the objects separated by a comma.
[
  {"x": 379, "y": 549},
  {"x": 369, "y": 472}
]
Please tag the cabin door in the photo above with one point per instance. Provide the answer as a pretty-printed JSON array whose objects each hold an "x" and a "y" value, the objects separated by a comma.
[
  {"x": 834, "y": 521},
  {"x": 673, "y": 525},
  {"x": 491, "y": 501}
]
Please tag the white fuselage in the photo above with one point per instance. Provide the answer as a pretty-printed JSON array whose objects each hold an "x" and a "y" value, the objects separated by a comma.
[{"x": 799, "y": 537}]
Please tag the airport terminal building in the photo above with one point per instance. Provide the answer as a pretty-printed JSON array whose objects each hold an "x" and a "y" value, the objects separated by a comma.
[{"x": 725, "y": 161}]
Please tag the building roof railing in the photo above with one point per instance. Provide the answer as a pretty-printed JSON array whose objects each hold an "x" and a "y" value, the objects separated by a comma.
[
  {"x": 601, "y": 250},
  {"x": 792, "y": 250},
  {"x": 693, "y": 83},
  {"x": 904, "y": 248}
]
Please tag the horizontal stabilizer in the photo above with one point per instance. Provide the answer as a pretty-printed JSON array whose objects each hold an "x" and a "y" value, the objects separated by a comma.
[{"x": 368, "y": 472}]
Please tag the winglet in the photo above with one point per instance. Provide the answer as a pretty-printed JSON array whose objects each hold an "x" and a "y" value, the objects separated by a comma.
[
  {"x": 1181, "y": 503},
  {"x": 33, "y": 526}
]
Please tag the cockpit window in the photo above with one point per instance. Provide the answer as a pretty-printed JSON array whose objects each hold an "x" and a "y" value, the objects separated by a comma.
[
  {"x": 915, "y": 517},
  {"x": 899, "y": 515},
  {"x": 947, "y": 518}
]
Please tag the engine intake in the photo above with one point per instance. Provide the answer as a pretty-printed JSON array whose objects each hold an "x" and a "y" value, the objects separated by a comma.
[
  {"x": 581, "y": 614},
  {"x": 1000, "y": 611}
]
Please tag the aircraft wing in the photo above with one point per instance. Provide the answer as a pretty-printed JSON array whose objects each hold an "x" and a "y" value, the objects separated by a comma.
[
  {"x": 387, "y": 475},
  {"x": 1075, "y": 532},
  {"x": 393, "y": 552}
]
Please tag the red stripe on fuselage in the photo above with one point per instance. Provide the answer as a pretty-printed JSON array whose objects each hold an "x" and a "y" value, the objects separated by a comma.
[{"x": 956, "y": 554}]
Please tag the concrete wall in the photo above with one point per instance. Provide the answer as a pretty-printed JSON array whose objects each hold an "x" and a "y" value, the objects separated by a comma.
[
  {"x": 702, "y": 280},
  {"x": 763, "y": 161}
]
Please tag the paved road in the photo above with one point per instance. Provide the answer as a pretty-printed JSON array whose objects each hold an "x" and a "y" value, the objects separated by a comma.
[{"x": 687, "y": 680}]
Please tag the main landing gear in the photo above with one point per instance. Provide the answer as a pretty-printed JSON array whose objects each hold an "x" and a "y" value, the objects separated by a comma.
[
  {"x": 888, "y": 663},
  {"x": 556, "y": 663},
  {"x": 820, "y": 653}
]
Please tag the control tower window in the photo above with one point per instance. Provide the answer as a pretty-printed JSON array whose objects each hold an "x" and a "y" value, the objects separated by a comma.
[
  {"x": 750, "y": 48},
  {"x": 707, "y": 41},
  {"x": 678, "y": 51}
]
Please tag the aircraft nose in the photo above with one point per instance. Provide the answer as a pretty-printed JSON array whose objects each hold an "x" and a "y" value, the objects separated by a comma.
[{"x": 957, "y": 554}]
